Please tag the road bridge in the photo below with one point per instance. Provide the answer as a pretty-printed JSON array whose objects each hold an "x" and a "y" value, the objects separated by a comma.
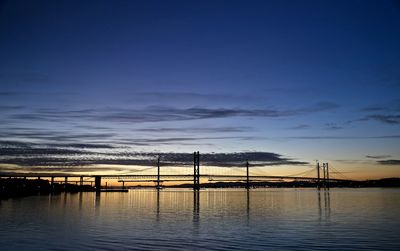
[{"x": 196, "y": 177}]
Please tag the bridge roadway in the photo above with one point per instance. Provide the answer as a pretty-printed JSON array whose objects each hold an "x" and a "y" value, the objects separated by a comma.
[
  {"x": 166, "y": 177},
  {"x": 158, "y": 179}
]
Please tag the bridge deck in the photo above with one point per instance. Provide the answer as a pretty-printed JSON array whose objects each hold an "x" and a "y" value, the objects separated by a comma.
[{"x": 167, "y": 177}]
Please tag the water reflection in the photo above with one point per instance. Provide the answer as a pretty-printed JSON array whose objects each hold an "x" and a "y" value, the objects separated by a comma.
[
  {"x": 164, "y": 197},
  {"x": 158, "y": 205},
  {"x": 327, "y": 203},
  {"x": 326, "y": 213},
  {"x": 97, "y": 199},
  {"x": 65, "y": 199},
  {"x": 196, "y": 206},
  {"x": 80, "y": 200},
  {"x": 248, "y": 205},
  {"x": 319, "y": 204},
  {"x": 172, "y": 219}
]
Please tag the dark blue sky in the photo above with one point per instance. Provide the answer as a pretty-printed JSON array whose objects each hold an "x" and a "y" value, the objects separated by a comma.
[{"x": 305, "y": 79}]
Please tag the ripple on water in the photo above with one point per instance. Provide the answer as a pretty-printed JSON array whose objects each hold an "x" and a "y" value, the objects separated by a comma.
[{"x": 274, "y": 219}]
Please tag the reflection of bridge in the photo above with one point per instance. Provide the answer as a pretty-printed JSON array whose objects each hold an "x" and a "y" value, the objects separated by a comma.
[{"x": 196, "y": 177}]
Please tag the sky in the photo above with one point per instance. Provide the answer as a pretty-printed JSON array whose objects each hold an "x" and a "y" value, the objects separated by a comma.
[{"x": 107, "y": 86}]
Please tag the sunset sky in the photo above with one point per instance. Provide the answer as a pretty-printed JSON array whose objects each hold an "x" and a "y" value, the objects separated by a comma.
[{"x": 105, "y": 86}]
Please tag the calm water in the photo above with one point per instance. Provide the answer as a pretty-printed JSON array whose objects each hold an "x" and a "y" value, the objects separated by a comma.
[{"x": 261, "y": 219}]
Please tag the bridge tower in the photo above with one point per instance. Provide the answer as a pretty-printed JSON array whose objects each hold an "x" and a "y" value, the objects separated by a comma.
[
  {"x": 247, "y": 175},
  {"x": 158, "y": 173},
  {"x": 327, "y": 174},
  {"x": 318, "y": 176},
  {"x": 97, "y": 183},
  {"x": 196, "y": 170}
]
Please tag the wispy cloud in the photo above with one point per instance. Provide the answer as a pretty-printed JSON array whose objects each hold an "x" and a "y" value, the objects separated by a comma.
[
  {"x": 332, "y": 126},
  {"x": 378, "y": 156},
  {"x": 373, "y": 109},
  {"x": 160, "y": 114},
  {"x": 387, "y": 114},
  {"x": 353, "y": 161},
  {"x": 85, "y": 157},
  {"x": 197, "y": 129},
  {"x": 299, "y": 127},
  {"x": 179, "y": 139},
  {"x": 68, "y": 138},
  {"x": 56, "y": 136},
  {"x": 59, "y": 169},
  {"x": 345, "y": 137},
  {"x": 5, "y": 108},
  {"x": 392, "y": 162},
  {"x": 190, "y": 96},
  {"x": 36, "y": 93},
  {"x": 318, "y": 107},
  {"x": 384, "y": 118}
]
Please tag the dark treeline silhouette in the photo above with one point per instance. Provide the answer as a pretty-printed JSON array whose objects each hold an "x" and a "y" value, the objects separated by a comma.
[{"x": 19, "y": 187}]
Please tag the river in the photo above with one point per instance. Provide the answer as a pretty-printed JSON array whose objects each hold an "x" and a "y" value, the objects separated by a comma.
[{"x": 216, "y": 219}]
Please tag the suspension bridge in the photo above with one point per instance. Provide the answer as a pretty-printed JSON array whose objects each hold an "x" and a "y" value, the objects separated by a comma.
[{"x": 322, "y": 176}]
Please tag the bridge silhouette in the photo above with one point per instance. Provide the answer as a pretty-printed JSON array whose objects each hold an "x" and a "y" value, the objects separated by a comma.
[{"x": 195, "y": 177}]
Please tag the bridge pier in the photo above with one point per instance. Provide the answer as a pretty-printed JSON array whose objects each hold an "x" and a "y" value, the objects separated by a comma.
[
  {"x": 97, "y": 183},
  {"x": 81, "y": 181},
  {"x": 52, "y": 182},
  {"x": 196, "y": 170}
]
